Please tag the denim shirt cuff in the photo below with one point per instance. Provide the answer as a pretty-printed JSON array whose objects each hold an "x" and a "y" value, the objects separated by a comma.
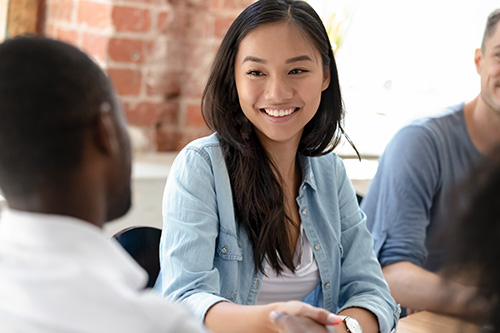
[{"x": 200, "y": 303}]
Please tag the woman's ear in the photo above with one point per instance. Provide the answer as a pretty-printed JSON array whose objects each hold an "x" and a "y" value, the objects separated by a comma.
[{"x": 326, "y": 79}]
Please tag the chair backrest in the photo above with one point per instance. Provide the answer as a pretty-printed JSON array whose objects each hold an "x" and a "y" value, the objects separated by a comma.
[
  {"x": 359, "y": 197},
  {"x": 143, "y": 244}
]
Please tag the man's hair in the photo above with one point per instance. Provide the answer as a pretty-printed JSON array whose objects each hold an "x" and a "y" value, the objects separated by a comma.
[
  {"x": 50, "y": 93},
  {"x": 490, "y": 28}
]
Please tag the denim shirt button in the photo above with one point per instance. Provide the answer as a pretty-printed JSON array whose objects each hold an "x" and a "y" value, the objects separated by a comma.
[
  {"x": 256, "y": 284},
  {"x": 303, "y": 187},
  {"x": 327, "y": 285},
  {"x": 317, "y": 247},
  {"x": 304, "y": 211},
  {"x": 224, "y": 249}
]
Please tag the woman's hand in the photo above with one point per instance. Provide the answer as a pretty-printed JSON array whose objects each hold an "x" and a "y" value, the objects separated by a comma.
[
  {"x": 301, "y": 309},
  {"x": 286, "y": 323},
  {"x": 226, "y": 317}
]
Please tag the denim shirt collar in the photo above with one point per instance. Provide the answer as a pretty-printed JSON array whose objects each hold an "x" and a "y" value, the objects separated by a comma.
[{"x": 308, "y": 175}]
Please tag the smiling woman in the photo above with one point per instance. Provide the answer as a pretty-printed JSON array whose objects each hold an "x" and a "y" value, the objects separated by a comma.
[{"x": 264, "y": 202}]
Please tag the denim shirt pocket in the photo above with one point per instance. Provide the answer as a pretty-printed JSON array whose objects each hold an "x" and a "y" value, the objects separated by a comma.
[
  {"x": 228, "y": 248},
  {"x": 228, "y": 258}
]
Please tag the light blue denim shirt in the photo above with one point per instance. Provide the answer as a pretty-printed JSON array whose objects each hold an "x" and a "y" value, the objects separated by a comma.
[{"x": 206, "y": 258}]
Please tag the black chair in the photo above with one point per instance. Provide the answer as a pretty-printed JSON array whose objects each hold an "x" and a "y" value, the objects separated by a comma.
[
  {"x": 143, "y": 244},
  {"x": 359, "y": 197}
]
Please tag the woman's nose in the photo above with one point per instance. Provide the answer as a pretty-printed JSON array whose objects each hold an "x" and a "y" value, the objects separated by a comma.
[{"x": 278, "y": 89}]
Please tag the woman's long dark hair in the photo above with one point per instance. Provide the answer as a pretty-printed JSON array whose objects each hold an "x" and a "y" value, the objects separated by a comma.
[{"x": 257, "y": 191}]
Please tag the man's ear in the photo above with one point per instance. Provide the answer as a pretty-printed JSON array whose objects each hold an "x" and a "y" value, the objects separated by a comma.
[
  {"x": 105, "y": 133},
  {"x": 478, "y": 56}
]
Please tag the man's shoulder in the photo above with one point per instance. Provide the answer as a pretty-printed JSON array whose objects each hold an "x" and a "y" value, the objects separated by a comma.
[
  {"x": 450, "y": 119},
  {"x": 435, "y": 132}
]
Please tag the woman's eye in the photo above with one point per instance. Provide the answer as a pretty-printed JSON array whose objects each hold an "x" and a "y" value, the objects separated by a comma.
[
  {"x": 255, "y": 73},
  {"x": 298, "y": 71}
]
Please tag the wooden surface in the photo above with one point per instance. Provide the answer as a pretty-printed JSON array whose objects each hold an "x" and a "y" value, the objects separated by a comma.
[
  {"x": 22, "y": 17},
  {"x": 428, "y": 322}
]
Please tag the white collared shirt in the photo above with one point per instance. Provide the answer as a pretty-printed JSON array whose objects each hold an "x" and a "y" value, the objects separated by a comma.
[{"x": 61, "y": 274}]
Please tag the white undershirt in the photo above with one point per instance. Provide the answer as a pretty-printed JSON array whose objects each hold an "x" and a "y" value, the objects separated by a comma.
[{"x": 291, "y": 286}]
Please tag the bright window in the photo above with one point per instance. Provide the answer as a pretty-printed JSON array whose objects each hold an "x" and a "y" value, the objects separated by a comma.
[
  {"x": 402, "y": 60},
  {"x": 4, "y": 5}
]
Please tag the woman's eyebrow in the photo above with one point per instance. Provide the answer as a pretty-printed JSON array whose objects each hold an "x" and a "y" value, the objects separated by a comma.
[
  {"x": 299, "y": 58},
  {"x": 254, "y": 59},
  {"x": 288, "y": 61}
]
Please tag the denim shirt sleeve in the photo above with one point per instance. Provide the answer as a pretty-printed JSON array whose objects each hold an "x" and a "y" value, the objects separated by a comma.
[
  {"x": 190, "y": 229},
  {"x": 362, "y": 283}
]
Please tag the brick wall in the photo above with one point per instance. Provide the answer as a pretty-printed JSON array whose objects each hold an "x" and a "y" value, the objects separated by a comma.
[{"x": 157, "y": 53}]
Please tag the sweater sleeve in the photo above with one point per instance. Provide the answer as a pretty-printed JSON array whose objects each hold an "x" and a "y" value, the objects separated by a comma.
[{"x": 399, "y": 201}]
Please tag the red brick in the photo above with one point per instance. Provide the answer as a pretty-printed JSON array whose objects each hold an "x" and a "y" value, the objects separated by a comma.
[
  {"x": 50, "y": 30},
  {"x": 169, "y": 113},
  {"x": 197, "y": 67},
  {"x": 94, "y": 14},
  {"x": 221, "y": 25},
  {"x": 201, "y": 25},
  {"x": 197, "y": 4},
  {"x": 217, "y": 5},
  {"x": 159, "y": 2},
  {"x": 237, "y": 4},
  {"x": 167, "y": 138},
  {"x": 162, "y": 25},
  {"x": 166, "y": 84},
  {"x": 131, "y": 19},
  {"x": 141, "y": 114},
  {"x": 95, "y": 45},
  {"x": 129, "y": 50},
  {"x": 176, "y": 54},
  {"x": 67, "y": 35},
  {"x": 194, "y": 117},
  {"x": 179, "y": 24},
  {"x": 126, "y": 81},
  {"x": 60, "y": 10},
  {"x": 193, "y": 87},
  {"x": 171, "y": 138},
  {"x": 189, "y": 24},
  {"x": 187, "y": 136}
]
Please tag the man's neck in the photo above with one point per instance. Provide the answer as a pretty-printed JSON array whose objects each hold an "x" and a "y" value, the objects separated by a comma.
[
  {"x": 55, "y": 204},
  {"x": 483, "y": 125}
]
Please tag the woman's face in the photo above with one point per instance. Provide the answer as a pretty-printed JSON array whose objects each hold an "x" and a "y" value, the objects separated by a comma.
[{"x": 279, "y": 78}]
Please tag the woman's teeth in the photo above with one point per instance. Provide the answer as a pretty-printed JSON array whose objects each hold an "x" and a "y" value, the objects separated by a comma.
[{"x": 279, "y": 113}]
